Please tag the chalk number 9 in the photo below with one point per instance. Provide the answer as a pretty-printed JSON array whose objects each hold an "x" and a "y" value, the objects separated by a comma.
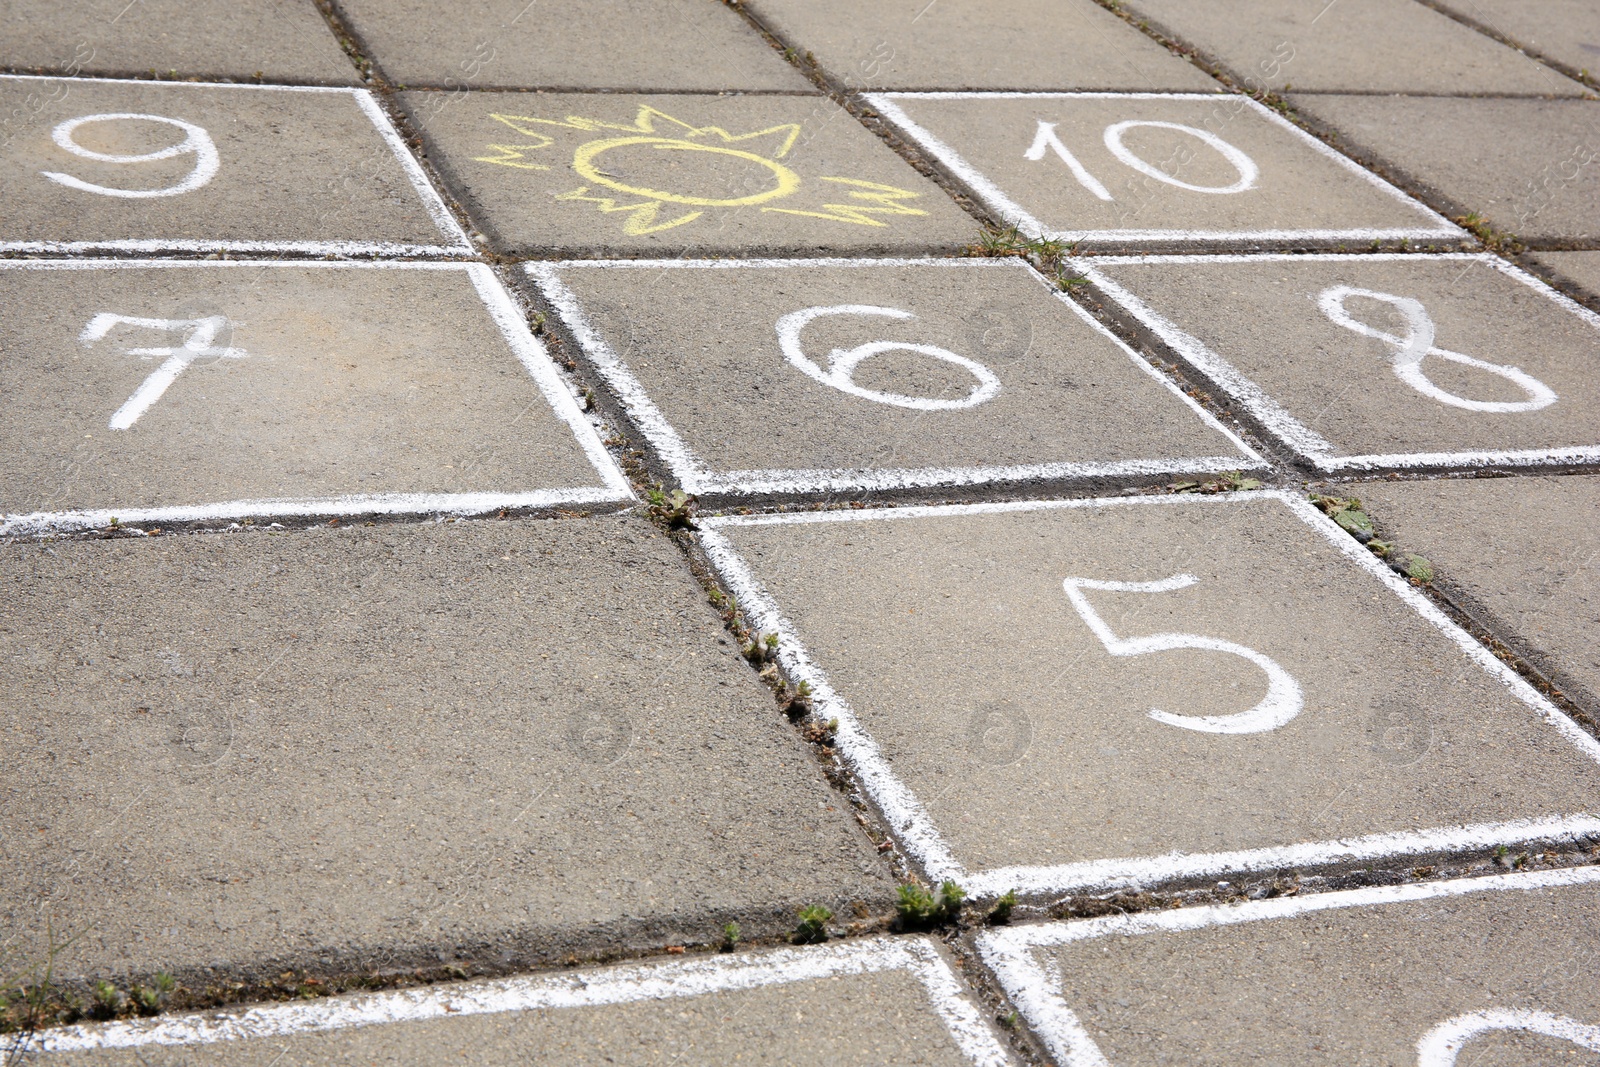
[{"x": 196, "y": 142}]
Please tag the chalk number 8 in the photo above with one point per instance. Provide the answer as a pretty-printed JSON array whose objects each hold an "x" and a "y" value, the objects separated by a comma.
[
  {"x": 196, "y": 142},
  {"x": 1282, "y": 702}
]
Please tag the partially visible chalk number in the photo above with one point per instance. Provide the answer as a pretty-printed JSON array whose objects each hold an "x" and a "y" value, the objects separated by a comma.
[
  {"x": 1282, "y": 702},
  {"x": 196, "y": 142}
]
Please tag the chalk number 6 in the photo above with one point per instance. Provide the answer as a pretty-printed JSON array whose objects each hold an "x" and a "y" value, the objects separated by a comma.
[
  {"x": 196, "y": 142},
  {"x": 1282, "y": 702}
]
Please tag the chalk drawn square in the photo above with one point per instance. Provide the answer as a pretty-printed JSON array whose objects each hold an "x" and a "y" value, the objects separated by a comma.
[
  {"x": 864, "y": 375},
  {"x": 1436, "y": 974},
  {"x": 95, "y": 164},
  {"x": 1154, "y": 169},
  {"x": 688, "y": 173},
  {"x": 1093, "y": 693},
  {"x": 1384, "y": 361},
  {"x": 906, "y": 1006},
  {"x": 182, "y": 391}
]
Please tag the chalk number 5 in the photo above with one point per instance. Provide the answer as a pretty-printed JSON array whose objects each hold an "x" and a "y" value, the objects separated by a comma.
[
  {"x": 196, "y": 142},
  {"x": 1282, "y": 702}
]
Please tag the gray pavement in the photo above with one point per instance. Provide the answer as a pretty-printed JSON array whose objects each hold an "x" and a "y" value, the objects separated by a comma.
[
  {"x": 1370, "y": 46},
  {"x": 878, "y": 375},
  {"x": 682, "y": 174},
  {"x": 376, "y": 747},
  {"x": 211, "y": 389},
  {"x": 1153, "y": 169},
  {"x": 1392, "y": 362},
  {"x": 639, "y": 45},
  {"x": 370, "y": 685},
  {"x": 242, "y": 40},
  {"x": 1489, "y": 971},
  {"x": 1258, "y": 717},
  {"x": 155, "y": 167},
  {"x": 967, "y": 44},
  {"x": 1523, "y": 551},
  {"x": 1523, "y": 166}
]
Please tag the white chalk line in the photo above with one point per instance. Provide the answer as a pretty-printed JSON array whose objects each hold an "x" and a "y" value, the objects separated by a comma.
[
  {"x": 1036, "y": 989},
  {"x": 1028, "y": 224},
  {"x": 914, "y": 827},
  {"x": 695, "y": 477},
  {"x": 431, "y": 201},
  {"x": 1300, "y": 438},
  {"x": 622, "y": 985},
  {"x": 513, "y": 327}
]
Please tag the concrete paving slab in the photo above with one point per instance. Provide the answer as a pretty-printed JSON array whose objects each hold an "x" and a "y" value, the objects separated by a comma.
[
  {"x": 942, "y": 372},
  {"x": 1576, "y": 270},
  {"x": 276, "y": 40},
  {"x": 966, "y": 44},
  {"x": 371, "y": 748},
  {"x": 586, "y": 175},
  {"x": 634, "y": 45},
  {"x": 91, "y": 164},
  {"x": 1352, "y": 45},
  {"x": 1524, "y": 552},
  {"x": 1381, "y": 361},
  {"x": 1492, "y": 971},
  {"x": 1566, "y": 31},
  {"x": 1077, "y": 694},
  {"x": 873, "y": 1001},
  {"x": 1524, "y": 166},
  {"x": 1177, "y": 169},
  {"x": 159, "y": 391}
]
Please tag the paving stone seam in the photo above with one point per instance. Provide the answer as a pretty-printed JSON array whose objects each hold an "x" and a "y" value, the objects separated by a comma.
[
  {"x": 1009, "y": 952},
  {"x": 695, "y": 477},
  {"x": 1001, "y": 204},
  {"x": 653, "y": 981},
  {"x": 1494, "y": 34},
  {"x": 913, "y": 829},
  {"x": 1310, "y": 446}
]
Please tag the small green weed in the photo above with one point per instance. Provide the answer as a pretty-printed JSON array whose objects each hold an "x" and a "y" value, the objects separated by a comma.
[
  {"x": 1000, "y": 914},
  {"x": 148, "y": 1000},
  {"x": 813, "y": 928},
  {"x": 730, "y": 937},
  {"x": 919, "y": 909},
  {"x": 1348, "y": 514},
  {"x": 762, "y": 650},
  {"x": 674, "y": 510}
]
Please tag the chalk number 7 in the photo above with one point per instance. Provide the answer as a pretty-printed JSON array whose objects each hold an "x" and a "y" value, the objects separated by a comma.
[{"x": 1282, "y": 702}]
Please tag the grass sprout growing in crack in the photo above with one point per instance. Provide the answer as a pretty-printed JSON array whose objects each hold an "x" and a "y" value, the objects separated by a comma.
[
  {"x": 1000, "y": 914},
  {"x": 730, "y": 937},
  {"x": 674, "y": 510},
  {"x": 813, "y": 928},
  {"x": 919, "y": 908},
  {"x": 763, "y": 649}
]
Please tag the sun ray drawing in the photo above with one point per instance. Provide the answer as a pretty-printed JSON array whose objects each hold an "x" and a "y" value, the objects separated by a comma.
[{"x": 658, "y": 172}]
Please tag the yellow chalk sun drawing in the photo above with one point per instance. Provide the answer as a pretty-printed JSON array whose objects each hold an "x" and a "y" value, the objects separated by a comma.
[{"x": 660, "y": 172}]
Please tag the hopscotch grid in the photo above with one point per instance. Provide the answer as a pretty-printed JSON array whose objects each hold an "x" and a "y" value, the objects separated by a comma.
[
  {"x": 914, "y": 827},
  {"x": 1013, "y": 212},
  {"x": 696, "y": 477},
  {"x": 513, "y": 328},
  {"x": 1036, "y": 989},
  {"x": 427, "y": 194},
  {"x": 647, "y": 982},
  {"x": 1277, "y": 419}
]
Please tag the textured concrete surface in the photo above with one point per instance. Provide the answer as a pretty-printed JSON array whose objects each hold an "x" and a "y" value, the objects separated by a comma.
[
  {"x": 1295, "y": 329},
  {"x": 931, "y": 627},
  {"x": 1566, "y": 31},
  {"x": 717, "y": 371},
  {"x": 375, "y": 747},
  {"x": 640, "y": 45},
  {"x": 1524, "y": 551},
  {"x": 1574, "y": 270},
  {"x": 1366, "y": 45},
  {"x": 1364, "y": 983},
  {"x": 1525, "y": 166},
  {"x": 587, "y": 175},
  {"x": 880, "y": 1016},
  {"x": 1185, "y": 185},
  {"x": 272, "y": 40},
  {"x": 323, "y": 382},
  {"x": 290, "y": 165},
  {"x": 967, "y": 44}
]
